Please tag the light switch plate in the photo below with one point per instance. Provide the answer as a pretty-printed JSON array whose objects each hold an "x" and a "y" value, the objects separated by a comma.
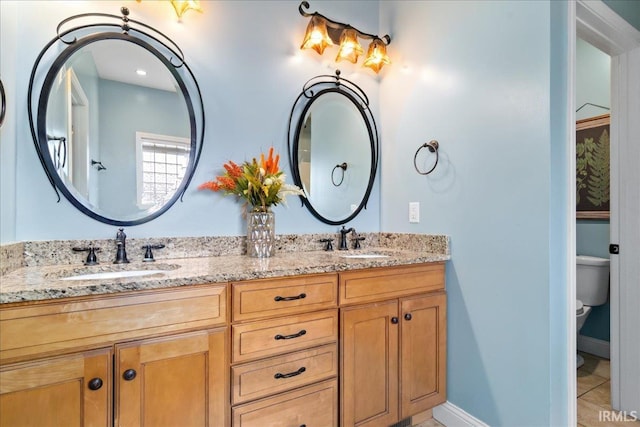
[{"x": 414, "y": 212}]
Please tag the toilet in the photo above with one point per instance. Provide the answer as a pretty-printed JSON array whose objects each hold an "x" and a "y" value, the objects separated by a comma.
[{"x": 592, "y": 288}]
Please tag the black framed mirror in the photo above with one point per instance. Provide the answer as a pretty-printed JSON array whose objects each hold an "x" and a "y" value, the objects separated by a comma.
[
  {"x": 3, "y": 103},
  {"x": 333, "y": 148},
  {"x": 119, "y": 119}
]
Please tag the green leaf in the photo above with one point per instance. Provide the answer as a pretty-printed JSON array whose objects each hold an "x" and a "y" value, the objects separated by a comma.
[{"x": 598, "y": 181}]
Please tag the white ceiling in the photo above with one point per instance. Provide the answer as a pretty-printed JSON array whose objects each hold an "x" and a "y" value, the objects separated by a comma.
[{"x": 118, "y": 60}]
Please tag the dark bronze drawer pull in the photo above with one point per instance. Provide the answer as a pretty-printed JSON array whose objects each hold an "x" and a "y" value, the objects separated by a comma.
[
  {"x": 288, "y": 337},
  {"x": 95, "y": 384},
  {"x": 279, "y": 298},
  {"x": 129, "y": 374},
  {"x": 290, "y": 374}
]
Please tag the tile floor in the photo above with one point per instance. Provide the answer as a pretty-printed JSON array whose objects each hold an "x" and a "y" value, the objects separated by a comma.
[
  {"x": 429, "y": 423},
  {"x": 594, "y": 395}
]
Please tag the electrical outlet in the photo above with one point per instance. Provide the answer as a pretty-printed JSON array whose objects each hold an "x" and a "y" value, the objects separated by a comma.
[{"x": 414, "y": 212}]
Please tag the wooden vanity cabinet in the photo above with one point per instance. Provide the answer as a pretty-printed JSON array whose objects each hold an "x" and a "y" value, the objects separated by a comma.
[
  {"x": 357, "y": 348},
  {"x": 392, "y": 350},
  {"x": 161, "y": 357},
  {"x": 285, "y": 353},
  {"x": 178, "y": 380},
  {"x": 71, "y": 390}
]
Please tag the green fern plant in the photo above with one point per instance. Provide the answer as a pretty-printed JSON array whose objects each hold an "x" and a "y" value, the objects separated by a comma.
[
  {"x": 584, "y": 161},
  {"x": 581, "y": 169},
  {"x": 598, "y": 181}
]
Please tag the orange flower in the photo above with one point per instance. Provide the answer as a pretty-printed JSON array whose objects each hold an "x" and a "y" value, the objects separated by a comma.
[
  {"x": 259, "y": 184},
  {"x": 226, "y": 183},
  {"x": 233, "y": 169},
  {"x": 209, "y": 185},
  {"x": 270, "y": 165}
]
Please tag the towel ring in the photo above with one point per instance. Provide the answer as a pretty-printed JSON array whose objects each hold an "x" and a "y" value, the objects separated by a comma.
[
  {"x": 433, "y": 147},
  {"x": 342, "y": 166}
]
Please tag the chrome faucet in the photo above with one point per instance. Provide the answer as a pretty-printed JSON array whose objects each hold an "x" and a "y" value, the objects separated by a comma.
[
  {"x": 343, "y": 237},
  {"x": 121, "y": 241}
]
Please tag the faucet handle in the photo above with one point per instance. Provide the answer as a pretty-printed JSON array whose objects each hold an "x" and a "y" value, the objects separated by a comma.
[
  {"x": 357, "y": 240},
  {"x": 91, "y": 256},
  {"x": 148, "y": 254},
  {"x": 329, "y": 242}
]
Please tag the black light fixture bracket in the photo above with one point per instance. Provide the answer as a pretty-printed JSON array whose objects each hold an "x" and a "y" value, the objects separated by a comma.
[{"x": 335, "y": 28}]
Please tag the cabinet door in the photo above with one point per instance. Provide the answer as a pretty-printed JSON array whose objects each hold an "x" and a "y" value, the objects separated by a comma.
[
  {"x": 180, "y": 380},
  {"x": 369, "y": 365},
  {"x": 73, "y": 390},
  {"x": 423, "y": 343}
]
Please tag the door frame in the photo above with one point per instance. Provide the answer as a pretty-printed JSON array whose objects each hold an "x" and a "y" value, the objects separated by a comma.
[{"x": 597, "y": 24}]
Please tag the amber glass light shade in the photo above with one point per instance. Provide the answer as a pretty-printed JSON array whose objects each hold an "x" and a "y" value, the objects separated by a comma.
[
  {"x": 376, "y": 56},
  {"x": 181, "y": 6},
  {"x": 316, "y": 37},
  {"x": 350, "y": 48}
]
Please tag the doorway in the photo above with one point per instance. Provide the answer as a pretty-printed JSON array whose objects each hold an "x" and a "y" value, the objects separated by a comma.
[{"x": 600, "y": 26}]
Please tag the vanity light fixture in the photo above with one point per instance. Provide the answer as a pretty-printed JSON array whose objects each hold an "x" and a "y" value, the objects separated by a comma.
[
  {"x": 181, "y": 6},
  {"x": 316, "y": 37},
  {"x": 322, "y": 32},
  {"x": 350, "y": 48},
  {"x": 377, "y": 55}
]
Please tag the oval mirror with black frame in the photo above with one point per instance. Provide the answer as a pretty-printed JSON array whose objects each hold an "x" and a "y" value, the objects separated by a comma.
[
  {"x": 333, "y": 148},
  {"x": 3, "y": 103},
  {"x": 119, "y": 121}
]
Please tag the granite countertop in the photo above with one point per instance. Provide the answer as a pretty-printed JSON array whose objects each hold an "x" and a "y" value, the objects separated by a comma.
[{"x": 46, "y": 282}]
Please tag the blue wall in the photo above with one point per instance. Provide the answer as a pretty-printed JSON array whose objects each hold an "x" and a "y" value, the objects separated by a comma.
[
  {"x": 119, "y": 102},
  {"x": 485, "y": 80},
  {"x": 247, "y": 59}
]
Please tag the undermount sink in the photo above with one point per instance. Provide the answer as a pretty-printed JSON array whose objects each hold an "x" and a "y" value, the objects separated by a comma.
[
  {"x": 113, "y": 275},
  {"x": 364, "y": 256}
]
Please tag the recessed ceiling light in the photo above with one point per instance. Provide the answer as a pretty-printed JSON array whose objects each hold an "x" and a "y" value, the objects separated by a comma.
[{"x": 141, "y": 72}]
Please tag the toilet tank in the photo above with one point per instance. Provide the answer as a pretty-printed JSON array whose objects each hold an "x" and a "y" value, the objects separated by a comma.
[{"x": 592, "y": 280}]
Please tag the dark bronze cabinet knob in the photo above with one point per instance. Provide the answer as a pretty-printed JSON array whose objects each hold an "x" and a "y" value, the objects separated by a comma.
[
  {"x": 394, "y": 320},
  {"x": 95, "y": 384},
  {"x": 129, "y": 374},
  {"x": 408, "y": 316}
]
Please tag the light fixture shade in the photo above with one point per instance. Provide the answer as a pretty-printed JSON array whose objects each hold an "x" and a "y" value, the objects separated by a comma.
[
  {"x": 316, "y": 37},
  {"x": 181, "y": 6},
  {"x": 377, "y": 56},
  {"x": 350, "y": 48}
]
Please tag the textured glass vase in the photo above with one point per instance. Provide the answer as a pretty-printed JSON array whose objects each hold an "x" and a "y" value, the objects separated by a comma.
[{"x": 261, "y": 233}]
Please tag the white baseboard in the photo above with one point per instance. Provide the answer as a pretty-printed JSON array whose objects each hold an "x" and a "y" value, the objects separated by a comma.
[
  {"x": 594, "y": 346},
  {"x": 450, "y": 415}
]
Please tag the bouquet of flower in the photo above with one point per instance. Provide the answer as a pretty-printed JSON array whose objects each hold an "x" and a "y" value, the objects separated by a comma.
[{"x": 261, "y": 185}]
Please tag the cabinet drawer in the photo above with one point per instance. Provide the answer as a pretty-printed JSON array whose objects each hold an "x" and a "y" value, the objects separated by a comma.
[
  {"x": 377, "y": 284},
  {"x": 265, "y": 377},
  {"x": 83, "y": 323},
  {"x": 316, "y": 405},
  {"x": 262, "y": 298},
  {"x": 269, "y": 337}
]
